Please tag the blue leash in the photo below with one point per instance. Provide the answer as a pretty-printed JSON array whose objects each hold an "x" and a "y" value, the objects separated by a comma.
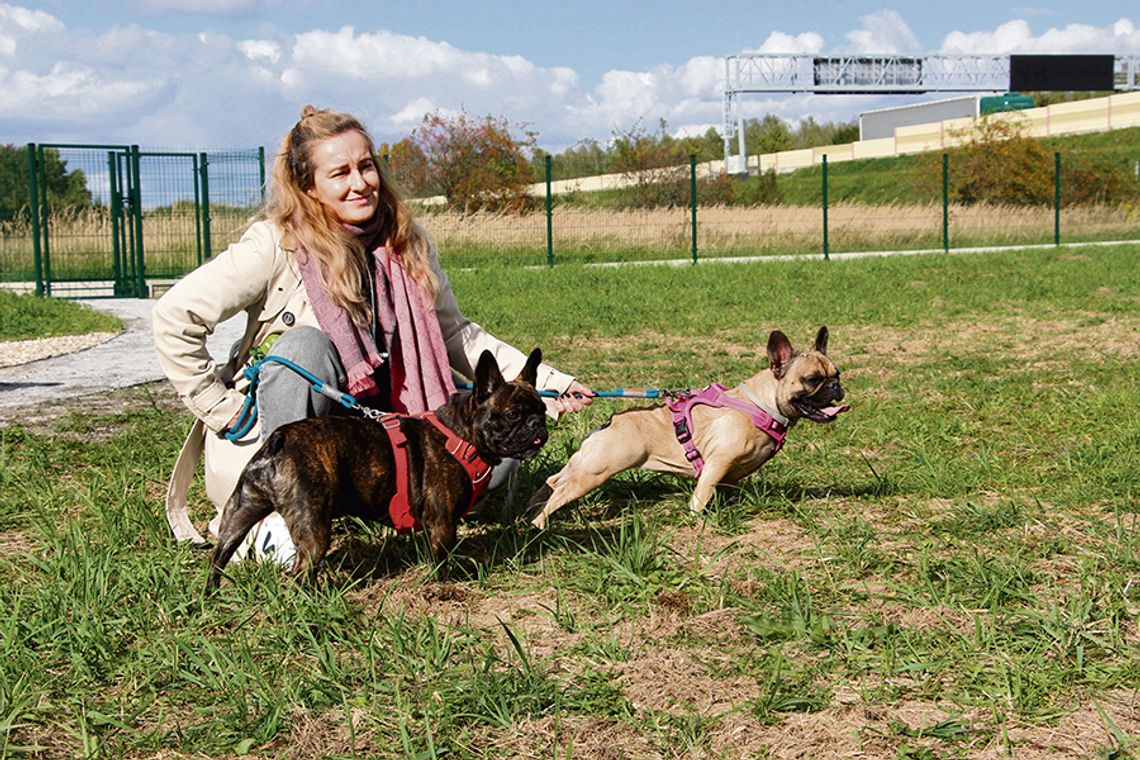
[
  {"x": 248, "y": 414},
  {"x": 615, "y": 393}
]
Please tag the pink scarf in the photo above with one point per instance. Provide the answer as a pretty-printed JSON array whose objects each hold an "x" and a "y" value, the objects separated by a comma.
[{"x": 408, "y": 320}]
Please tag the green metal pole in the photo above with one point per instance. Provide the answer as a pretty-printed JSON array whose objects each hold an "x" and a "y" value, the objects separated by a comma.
[
  {"x": 1056, "y": 199},
  {"x": 825, "y": 241},
  {"x": 261, "y": 168},
  {"x": 34, "y": 212},
  {"x": 116, "y": 211},
  {"x": 945, "y": 203},
  {"x": 693, "y": 201},
  {"x": 204, "y": 180},
  {"x": 126, "y": 258},
  {"x": 549, "y": 217},
  {"x": 137, "y": 214},
  {"x": 45, "y": 224},
  {"x": 198, "y": 204}
]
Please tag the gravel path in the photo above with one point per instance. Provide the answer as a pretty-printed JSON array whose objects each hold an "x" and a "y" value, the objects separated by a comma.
[
  {"x": 16, "y": 352},
  {"x": 55, "y": 369}
]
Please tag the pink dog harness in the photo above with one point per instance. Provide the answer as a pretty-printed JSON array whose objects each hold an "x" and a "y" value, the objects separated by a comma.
[{"x": 714, "y": 395}]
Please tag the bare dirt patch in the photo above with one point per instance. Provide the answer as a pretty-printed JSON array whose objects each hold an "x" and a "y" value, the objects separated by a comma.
[
  {"x": 775, "y": 543},
  {"x": 44, "y": 418},
  {"x": 1035, "y": 340}
]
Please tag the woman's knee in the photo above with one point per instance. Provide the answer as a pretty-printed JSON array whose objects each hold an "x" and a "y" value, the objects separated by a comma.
[
  {"x": 311, "y": 349},
  {"x": 301, "y": 342}
]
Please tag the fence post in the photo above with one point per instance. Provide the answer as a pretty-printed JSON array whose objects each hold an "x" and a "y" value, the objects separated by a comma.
[
  {"x": 198, "y": 209},
  {"x": 137, "y": 218},
  {"x": 549, "y": 217},
  {"x": 693, "y": 201},
  {"x": 825, "y": 242},
  {"x": 34, "y": 213},
  {"x": 945, "y": 203},
  {"x": 261, "y": 168},
  {"x": 1056, "y": 198},
  {"x": 204, "y": 183},
  {"x": 116, "y": 205},
  {"x": 45, "y": 222}
]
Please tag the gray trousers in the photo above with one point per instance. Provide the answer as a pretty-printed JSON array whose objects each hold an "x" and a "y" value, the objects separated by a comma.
[{"x": 283, "y": 396}]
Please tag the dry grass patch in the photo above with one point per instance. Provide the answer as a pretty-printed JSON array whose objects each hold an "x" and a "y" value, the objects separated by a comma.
[{"x": 774, "y": 543}]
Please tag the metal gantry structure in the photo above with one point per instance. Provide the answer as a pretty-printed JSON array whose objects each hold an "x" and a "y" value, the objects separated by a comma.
[{"x": 869, "y": 74}]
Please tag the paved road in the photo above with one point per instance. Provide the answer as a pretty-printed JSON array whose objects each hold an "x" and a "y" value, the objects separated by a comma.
[{"x": 125, "y": 360}]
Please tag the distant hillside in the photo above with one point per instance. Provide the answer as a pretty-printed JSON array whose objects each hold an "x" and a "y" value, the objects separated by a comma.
[{"x": 904, "y": 179}]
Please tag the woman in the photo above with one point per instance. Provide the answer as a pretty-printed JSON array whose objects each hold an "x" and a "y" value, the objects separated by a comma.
[{"x": 337, "y": 278}]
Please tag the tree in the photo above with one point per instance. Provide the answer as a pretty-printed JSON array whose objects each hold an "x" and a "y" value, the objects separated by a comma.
[
  {"x": 768, "y": 135},
  {"x": 474, "y": 162},
  {"x": 998, "y": 163},
  {"x": 65, "y": 189},
  {"x": 408, "y": 166},
  {"x": 811, "y": 134},
  {"x": 654, "y": 166}
]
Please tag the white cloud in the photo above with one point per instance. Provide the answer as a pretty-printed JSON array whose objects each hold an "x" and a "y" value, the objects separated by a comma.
[
  {"x": 1016, "y": 36},
  {"x": 807, "y": 43},
  {"x": 260, "y": 50},
  {"x": 17, "y": 23},
  {"x": 883, "y": 32},
  {"x": 18, "y": 18},
  {"x": 212, "y": 7}
]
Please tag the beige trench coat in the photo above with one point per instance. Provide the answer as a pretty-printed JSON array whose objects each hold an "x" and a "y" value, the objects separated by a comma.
[{"x": 258, "y": 275}]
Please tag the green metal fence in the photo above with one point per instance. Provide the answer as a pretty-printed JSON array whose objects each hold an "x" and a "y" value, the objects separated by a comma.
[
  {"x": 684, "y": 213},
  {"x": 149, "y": 215},
  {"x": 107, "y": 220}
]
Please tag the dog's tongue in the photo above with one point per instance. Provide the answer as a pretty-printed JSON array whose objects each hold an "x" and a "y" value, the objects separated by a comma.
[{"x": 831, "y": 412}]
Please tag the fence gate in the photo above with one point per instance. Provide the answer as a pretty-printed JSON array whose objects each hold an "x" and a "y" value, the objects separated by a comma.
[
  {"x": 106, "y": 219},
  {"x": 84, "y": 238}
]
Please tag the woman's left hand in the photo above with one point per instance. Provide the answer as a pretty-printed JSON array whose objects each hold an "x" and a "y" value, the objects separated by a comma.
[{"x": 575, "y": 398}]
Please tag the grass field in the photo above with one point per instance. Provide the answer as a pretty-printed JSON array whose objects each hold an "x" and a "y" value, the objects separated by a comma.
[
  {"x": 23, "y": 317},
  {"x": 951, "y": 570}
]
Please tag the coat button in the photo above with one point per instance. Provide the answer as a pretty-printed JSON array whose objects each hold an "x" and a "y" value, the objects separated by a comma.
[{"x": 288, "y": 318}]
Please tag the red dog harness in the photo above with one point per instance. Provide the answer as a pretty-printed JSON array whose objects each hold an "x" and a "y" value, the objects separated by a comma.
[
  {"x": 714, "y": 395},
  {"x": 399, "y": 508}
]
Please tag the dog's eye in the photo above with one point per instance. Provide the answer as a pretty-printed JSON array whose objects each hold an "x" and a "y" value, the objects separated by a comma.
[
  {"x": 813, "y": 379},
  {"x": 513, "y": 415}
]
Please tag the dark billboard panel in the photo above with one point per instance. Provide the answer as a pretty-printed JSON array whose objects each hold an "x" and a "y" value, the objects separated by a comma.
[{"x": 1060, "y": 73}]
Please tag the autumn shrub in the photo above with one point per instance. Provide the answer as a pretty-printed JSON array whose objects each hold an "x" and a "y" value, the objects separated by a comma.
[
  {"x": 474, "y": 162},
  {"x": 996, "y": 162}
]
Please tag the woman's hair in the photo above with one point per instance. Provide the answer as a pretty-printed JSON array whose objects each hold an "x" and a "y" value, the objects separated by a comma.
[{"x": 342, "y": 259}]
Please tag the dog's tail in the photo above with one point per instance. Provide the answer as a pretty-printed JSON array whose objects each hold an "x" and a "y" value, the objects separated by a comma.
[{"x": 248, "y": 505}]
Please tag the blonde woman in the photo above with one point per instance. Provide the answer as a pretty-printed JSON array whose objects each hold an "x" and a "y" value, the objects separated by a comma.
[{"x": 337, "y": 278}]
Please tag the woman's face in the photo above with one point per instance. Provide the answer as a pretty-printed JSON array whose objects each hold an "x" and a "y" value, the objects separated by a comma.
[{"x": 346, "y": 178}]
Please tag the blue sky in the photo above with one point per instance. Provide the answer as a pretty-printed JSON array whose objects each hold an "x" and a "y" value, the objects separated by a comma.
[{"x": 214, "y": 74}]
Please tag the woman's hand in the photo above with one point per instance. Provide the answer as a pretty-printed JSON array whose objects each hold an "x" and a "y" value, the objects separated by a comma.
[{"x": 574, "y": 399}]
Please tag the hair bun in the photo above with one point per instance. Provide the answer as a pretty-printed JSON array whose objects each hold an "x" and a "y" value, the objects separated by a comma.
[{"x": 308, "y": 111}]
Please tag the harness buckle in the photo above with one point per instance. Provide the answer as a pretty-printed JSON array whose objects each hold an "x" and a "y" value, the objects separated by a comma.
[
  {"x": 389, "y": 421},
  {"x": 681, "y": 430},
  {"x": 692, "y": 454}
]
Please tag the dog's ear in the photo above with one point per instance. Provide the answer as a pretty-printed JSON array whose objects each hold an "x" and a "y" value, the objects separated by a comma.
[
  {"x": 487, "y": 376},
  {"x": 780, "y": 352},
  {"x": 529, "y": 372},
  {"x": 821, "y": 340}
]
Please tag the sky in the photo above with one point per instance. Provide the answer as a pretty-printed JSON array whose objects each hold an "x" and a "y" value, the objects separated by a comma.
[{"x": 224, "y": 74}]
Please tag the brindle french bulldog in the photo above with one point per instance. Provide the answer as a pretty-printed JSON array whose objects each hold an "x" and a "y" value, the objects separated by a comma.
[
  {"x": 316, "y": 469},
  {"x": 794, "y": 386}
]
